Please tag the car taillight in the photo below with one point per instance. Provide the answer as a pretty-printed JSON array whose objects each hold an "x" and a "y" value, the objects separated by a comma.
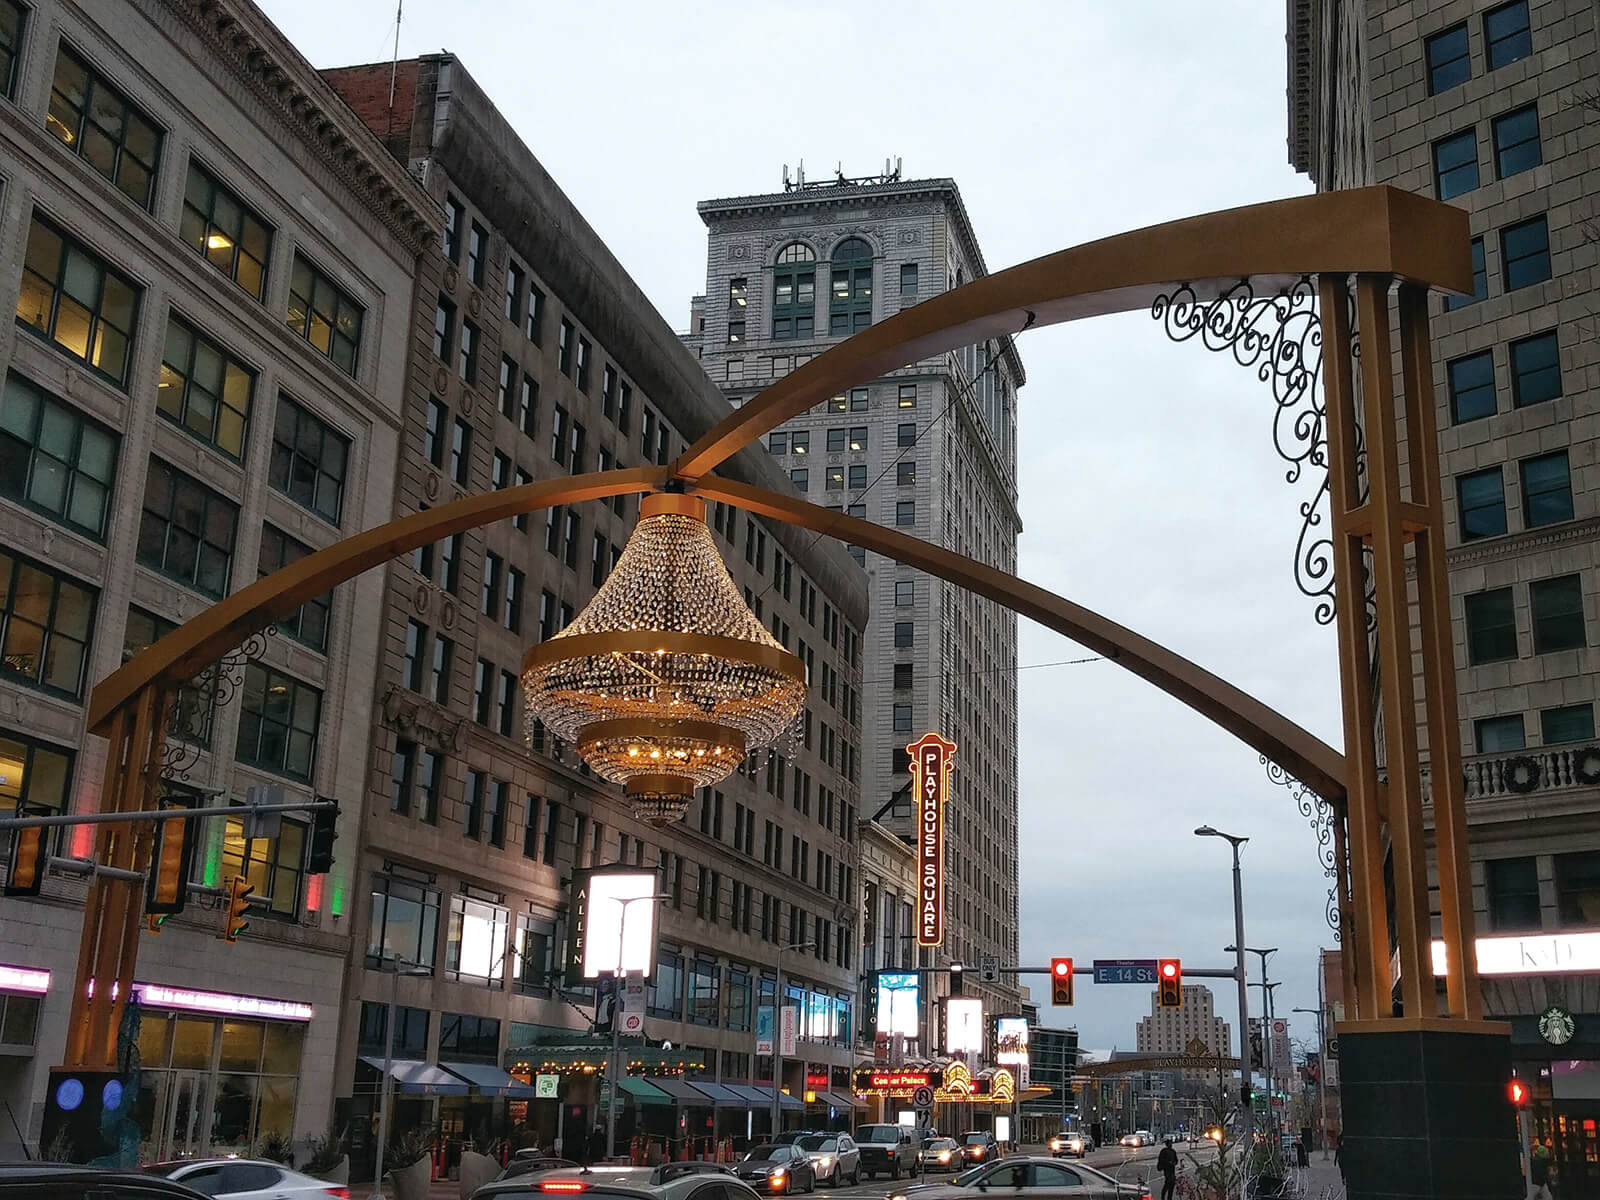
[
  {"x": 342, "y": 1192},
  {"x": 562, "y": 1185}
]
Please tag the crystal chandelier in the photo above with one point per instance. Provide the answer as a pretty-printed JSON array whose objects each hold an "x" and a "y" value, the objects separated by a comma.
[{"x": 666, "y": 679}]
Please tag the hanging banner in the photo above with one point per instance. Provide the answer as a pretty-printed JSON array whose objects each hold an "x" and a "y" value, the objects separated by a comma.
[
  {"x": 764, "y": 1029},
  {"x": 931, "y": 757},
  {"x": 790, "y": 1036}
]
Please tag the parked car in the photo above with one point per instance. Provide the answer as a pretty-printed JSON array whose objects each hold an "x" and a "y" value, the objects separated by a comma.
[
  {"x": 245, "y": 1179},
  {"x": 790, "y": 1136},
  {"x": 778, "y": 1170},
  {"x": 941, "y": 1154},
  {"x": 834, "y": 1157},
  {"x": 979, "y": 1146},
  {"x": 525, "y": 1163},
  {"x": 1071, "y": 1144},
  {"x": 886, "y": 1150},
  {"x": 708, "y": 1181},
  {"x": 64, "y": 1181},
  {"x": 1027, "y": 1176}
]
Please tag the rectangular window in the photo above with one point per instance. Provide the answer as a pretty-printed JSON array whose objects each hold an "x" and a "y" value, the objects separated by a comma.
[
  {"x": 444, "y": 653},
  {"x": 1557, "y": 614},
  {"x": 430, "y": 784},
  {"x": 54, "y": 459},
  {"x": 778, "y": 443},
  {"x": 278, "y": 722},
  {"x": 203, "y": 389},
  {"x": 535, "y": 328},
  {"x": 735, "y": 331},
  {"x": 433, "y": 432},
  {"x": 98, "y": 124},
  {"x": 1471, "y": 387},
  {"x": 402, "y": 776},
  {"x": 508, "y": 388},
  {"x": 472, "y": 808},
  {"x": 45, "y": 623},
  {"x": 217, "y": 225},
  {"x": 528, "y": 406},
  {"x": 858, "y": 399},
  {"x": 1506, "y": 36},
  {"x": 70, "y": 296},
  {"x": 467, "y": 354},
  {"x": 608, "y": 392},
  {"x": 450, "y": 241},
  {"x": 444, "y": 320},
  {"x": 1499, "y": 734},
  {"x": 186, "y": 530},
  {"x": 571, "y": 555},
  {"x": 515, "y": 282},
  {"x": 1572, "y": 723},
  {"x": 505, "y": 704},
  {"x": 836, "y": 441},
  {"x": 577, "y": 439},
  {"x": 581, "y": 376},
  {"x": 558, "y": 436},
  {"x": 515, "y": 586},
  {"x": 1535, "y": 369},
  {"x": 477, "y": 253},
  {"x": 1482, "y": 504},
  {"x": 193, "y": 707},
  {"x": 902, "y": 718},
  {"x": 274, "y": 866},
  {"x": 404, "y": 925},
  {"x": 308, "y": 624},
  {"x": 460, "y": 451},
  {"x": 325, "y": 315},
  {"x": 858, "y": 475},
  {"x": 482, "y": 687},
  {"x": 1516, "y": 141},
  {"x": 905, "y": 593},
  {"x": 1578, "y": 888},
  {"x": 908, "y": 395},
  {"x": 597, "y": 572},
  {"x": 800, "y": 441},
  {"x": 1525, "y": 253},
  {"x": 801, "y": 478},
  {"x": 309, "y": 460},
  {"x": 564, "y": 343},
  {"x": 416, "y": 648},
  {"x": 906, "y": 434},
  {"x": 858, "y": 439},
  {"x": 835, "y": 479},
  {"x": 905, "y": 473},
  {"x": 450, "y": 563},
  {"x": 1448, "y": 61},
  {"x": 1491, "y": 626},
  {"x": 904, "y": 631},
  {"x": 738, "y": 297},
  {"x": 908, "y": 279},
  {"x": 1480, "y": 280},
  {"x": 475, "y": 950},
  {"x": 905, "y": 512},
  {"x": 902, "y": 676},
  {"x": 500, "y": 471},
  {"x": 1546, "y": 489},
  {"x": 1511, "y": 887},
  {"x": 13, "y": 20},
  {"x": 490, "y": 596},
  {"x": 1455, "y": 164}
]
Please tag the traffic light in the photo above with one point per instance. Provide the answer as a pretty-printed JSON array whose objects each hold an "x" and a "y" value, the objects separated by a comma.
[
  {"x": 239, "y": 890},
  {"x": 25, "y": 871},
  {"x": 167, "y": 887},
  {"x": 154, "y": 921},
  {"x": 1060, "y": 981},
  {"x": 1169, "y": 983},
  {"x": 324, "y": 832},
  {"x": 956, "y": 972},
  {"x": 1517, "y": 1091}
]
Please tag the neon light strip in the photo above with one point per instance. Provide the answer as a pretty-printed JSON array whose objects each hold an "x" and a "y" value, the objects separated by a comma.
[
  {"x": 24, "y": 979},
  {"x": 160, "y": 995}
]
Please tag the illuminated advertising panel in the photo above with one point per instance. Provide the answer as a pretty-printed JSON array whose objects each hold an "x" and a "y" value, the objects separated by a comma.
[
  {"x": 931, "y": 757},
  {"x": 963, "y": 1025},
  {"x": 1533, "y": 954},
  {"x": 899, "y": 1003},
  {"x": 611, "y": 914},
  {"x": 1011, "y": 1040}
]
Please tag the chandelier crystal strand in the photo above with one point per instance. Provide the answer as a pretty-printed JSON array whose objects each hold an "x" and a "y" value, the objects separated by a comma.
[{"x": 666, "y": 680}]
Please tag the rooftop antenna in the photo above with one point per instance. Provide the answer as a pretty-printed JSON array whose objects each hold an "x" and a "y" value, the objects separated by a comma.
[
  {"x": 786, "y": 177},
  {"x": 394, "y": 65}
]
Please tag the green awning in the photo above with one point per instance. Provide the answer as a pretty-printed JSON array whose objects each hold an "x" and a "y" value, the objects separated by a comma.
[{"x": 643, "y": 1091}]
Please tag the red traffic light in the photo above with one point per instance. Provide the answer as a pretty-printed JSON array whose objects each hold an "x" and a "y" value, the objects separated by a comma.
[
  {"x": 1169, "y": 969},
  {"x": 1060, "y": 981},
  {"x": 1518, "y": 1093},
  {"x": 1061, "y": 966},
  {"x": 1169, "y": 983}
]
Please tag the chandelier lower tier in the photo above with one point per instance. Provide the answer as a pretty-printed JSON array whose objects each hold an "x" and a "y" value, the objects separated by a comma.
[{"x": 666, "y": 679}]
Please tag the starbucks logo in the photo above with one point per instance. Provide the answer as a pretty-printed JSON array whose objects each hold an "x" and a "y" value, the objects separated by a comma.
[{"x": 1556, "y": 1026}]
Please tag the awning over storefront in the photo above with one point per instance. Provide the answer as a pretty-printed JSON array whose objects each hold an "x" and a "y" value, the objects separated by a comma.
[
  {"x": 490, "y": 1081},
  {"x": 837, "y": 1100},
  {"x": 419, "y": 1078},
  {"x": 643, "y": 1090},
  {"x": 681, "y": 1092},
  {"x": 721, "y": 1094},
  {"x": 761, "y": 1098}
]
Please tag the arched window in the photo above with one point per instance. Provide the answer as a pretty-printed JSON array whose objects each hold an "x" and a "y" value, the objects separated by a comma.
[
  {"x": 794, "y": 292},
  {"x": 850, "y": 306}
]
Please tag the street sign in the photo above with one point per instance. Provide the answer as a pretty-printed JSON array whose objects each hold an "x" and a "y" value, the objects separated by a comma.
[
  {"x": 546, "y": 1087},
  {"x": 1124, "y": 970},
  {"x": 633, "y": 1002},
  {"x": 922, "y": 1098},
  {"x": 989, "y": 968},
  {"x": 1333, "y": 1047}
]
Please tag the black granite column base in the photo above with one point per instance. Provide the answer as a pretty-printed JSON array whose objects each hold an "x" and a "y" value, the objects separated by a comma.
[{"x": 1427, "y": 1115}]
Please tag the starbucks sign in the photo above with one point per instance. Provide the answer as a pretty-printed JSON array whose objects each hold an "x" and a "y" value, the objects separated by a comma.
[{"x": 1556, "y": 1025}]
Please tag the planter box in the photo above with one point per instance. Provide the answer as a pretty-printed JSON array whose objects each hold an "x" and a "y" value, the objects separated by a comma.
[
  {"x": 475, "y": 1171},
  {"x": 412, "y": 1183}
]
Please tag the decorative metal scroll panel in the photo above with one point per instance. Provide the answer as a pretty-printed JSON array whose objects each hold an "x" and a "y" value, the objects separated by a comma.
[
  {"x": 192, "y": 710},
  {"x": 1320, "y": 815}
]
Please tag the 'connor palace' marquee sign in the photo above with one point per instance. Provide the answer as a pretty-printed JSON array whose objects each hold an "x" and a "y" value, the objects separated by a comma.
[{"x": 930, "y": 782}]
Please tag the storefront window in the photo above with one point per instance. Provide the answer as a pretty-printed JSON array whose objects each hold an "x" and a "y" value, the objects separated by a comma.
[
  {"x": 19, "y": 1019},
  {"x": 475, "y": 951},
  {"x": 410, "y": 1031},
  {"x": 405, "y": 922},
  {"x": 465, "y": 1038}
]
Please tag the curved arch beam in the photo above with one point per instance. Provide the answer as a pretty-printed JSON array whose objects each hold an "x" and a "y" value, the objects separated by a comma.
[
  {"x": 1318, "y": 765},
  {"x": 202, "y": 641},
  {"x": 1380, "y": 230}
]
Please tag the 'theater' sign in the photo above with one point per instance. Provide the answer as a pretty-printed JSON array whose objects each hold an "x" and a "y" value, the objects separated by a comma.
[{"x": 930, "y": 781}]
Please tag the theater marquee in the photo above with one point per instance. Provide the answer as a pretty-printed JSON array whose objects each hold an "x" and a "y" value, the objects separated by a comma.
[{"x": 930, "y": 783}]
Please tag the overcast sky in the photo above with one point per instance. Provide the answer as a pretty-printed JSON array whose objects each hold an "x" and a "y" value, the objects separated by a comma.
[{"x": 1149, "y": 487}]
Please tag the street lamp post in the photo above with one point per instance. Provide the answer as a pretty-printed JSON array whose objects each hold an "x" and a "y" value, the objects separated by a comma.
[
  {"x": 1247, "y": 1115},
  {"x": 777, "y": 1035},
  {"x": 616, "y": 1023},
  {"x": 1268, "y": 1064},
  {"x": 1322, "y": 1078},
  {"x": 400, "y": 967}
]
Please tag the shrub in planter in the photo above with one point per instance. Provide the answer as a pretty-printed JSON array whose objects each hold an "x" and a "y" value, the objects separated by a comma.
[{"x": 275, "y": 1147}]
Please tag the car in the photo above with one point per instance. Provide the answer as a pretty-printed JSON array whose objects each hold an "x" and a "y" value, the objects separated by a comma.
[
  {"x": 1135, "y": 1140},
  {"x": 777, "y": 1169},
  {"x": 941, "y": 1154},
  {"x": 665, "y": 1182},
  {"x": 1146, "y": 1138},
  {"x": 790, "y": 1136},
  {"x": 886, "y": 1150},
  {"x": 1071, "y": 1144},
  {"x": 1026, "y": 1175},
  {"x": 245, "y": 1179},
  {"x": 979, "y": 1146},
  {"x": 526, "y": 1163},
  {"x": 67, "y": 1181},
  {"x": 834, "y": 1157}
]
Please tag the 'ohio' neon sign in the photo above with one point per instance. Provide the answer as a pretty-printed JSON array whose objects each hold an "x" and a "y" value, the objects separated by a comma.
[{"x": 930, "y": 781}]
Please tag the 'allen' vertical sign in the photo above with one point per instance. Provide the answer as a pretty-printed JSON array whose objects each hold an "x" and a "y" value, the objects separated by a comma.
[{"x": 930, "y": 781}]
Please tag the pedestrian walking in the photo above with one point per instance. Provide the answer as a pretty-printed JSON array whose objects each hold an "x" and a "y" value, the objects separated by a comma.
[
  {"x": 1539, "y": 1174},
  {"x": 1167, "y": 1164}
]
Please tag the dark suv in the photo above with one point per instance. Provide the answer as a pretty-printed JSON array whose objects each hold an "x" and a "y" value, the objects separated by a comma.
[
  {"x": 979, "y": 1146},
  {"x": 886, "y": 1150}
]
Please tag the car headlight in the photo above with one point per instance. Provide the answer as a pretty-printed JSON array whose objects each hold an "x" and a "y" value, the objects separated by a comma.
[
  {"x": 944, "y": 1156},
  {"x": 826, "y": 1160}
]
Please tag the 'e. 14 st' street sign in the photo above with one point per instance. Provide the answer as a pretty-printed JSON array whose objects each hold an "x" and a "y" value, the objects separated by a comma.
[{"x": 1124, "y": 970}]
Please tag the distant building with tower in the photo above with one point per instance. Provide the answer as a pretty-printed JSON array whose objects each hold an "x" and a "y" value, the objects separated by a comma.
[{"x": 1195, "y": 1029}]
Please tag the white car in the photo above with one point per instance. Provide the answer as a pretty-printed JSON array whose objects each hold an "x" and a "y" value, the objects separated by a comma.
[
  {"x": 246, "y": 1179},
  {"x": 1068, "y": 1143},
  {"x": 1131, "y": 1139}
]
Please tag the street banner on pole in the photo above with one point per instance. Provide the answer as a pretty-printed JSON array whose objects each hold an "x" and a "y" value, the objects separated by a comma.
[
  {"x": 633, "y": 1003},
  {"x": 764, "y": 1029},
  {"x": 790, "y": 1037}
]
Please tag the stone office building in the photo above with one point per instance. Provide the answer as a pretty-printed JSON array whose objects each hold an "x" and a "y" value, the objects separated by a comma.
[
  {"x": 534, "y": 355},
  {"x": 929, "y": 449},
  {"x": 1490, "y": 106},
  {"x": 210, "y": 261}
]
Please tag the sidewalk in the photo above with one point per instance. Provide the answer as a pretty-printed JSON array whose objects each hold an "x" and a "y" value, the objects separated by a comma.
[{"x": 1320, "y": 1181}]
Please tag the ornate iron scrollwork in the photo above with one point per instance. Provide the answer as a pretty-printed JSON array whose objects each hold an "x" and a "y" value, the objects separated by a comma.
[
  {"x": 1279, "y": 337},
  {"x": 1320, "y": 815},
  {"x": 194, "y": 706}
]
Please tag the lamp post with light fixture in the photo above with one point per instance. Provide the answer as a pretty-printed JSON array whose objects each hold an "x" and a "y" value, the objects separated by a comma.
[
  {"x": 1247, "y": 1105},
  {"x": 400, "y": 967},
  {"x": 777, "y": 1034},
  {"x": 1322, "y": 1065},
  {"x": 612, "y": 1066}
]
